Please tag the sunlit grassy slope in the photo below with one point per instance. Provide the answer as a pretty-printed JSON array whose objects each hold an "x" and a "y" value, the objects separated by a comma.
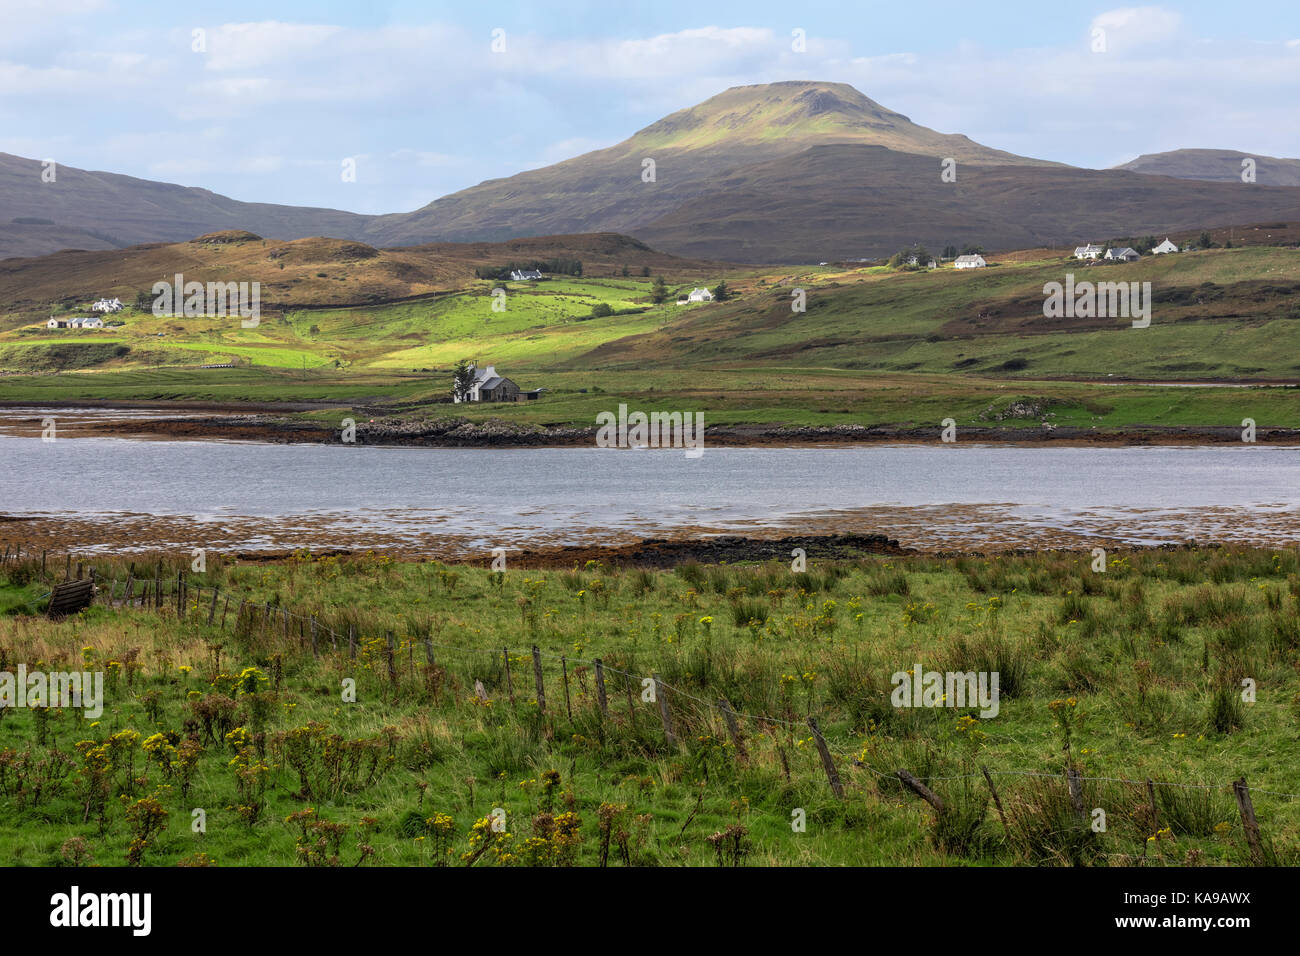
[{"x": 872, "y": 345}]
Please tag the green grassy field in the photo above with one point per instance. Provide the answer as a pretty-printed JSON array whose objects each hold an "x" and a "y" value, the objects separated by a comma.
[
  {"x": 875, "y": 346},
  {"x": 1127, "y": 674}
]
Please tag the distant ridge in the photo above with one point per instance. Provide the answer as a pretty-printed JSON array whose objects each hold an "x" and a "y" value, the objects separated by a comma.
[
  {"x": 1217, "y": 166},
  {"x": 794, "y": 171}
]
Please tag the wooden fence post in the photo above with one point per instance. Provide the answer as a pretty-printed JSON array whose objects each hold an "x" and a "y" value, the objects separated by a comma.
[
  {"x": 510, "y": 683},
  {"x": 564, "y": 669},
  {"x": 997, "y": 801},
  {"x": 733, "y": 729},
  {"x": 921, "y": 790},
  {"x": 1151, "y": 798},
  {"x": 392, "y": 664},
  {"x": 352, "y": 641},
  {"x": 1248, "y": 821},
  {"x": 315, "y": 652},
  {"x": 600, "y": 688},
  {"x": 537, "y": 679},
  {"x": 665, "y": 715},
  {"x": 212, "y": 611},
  {"x": 1076, "y": 793},
  {"x": 827, "y": 763},
  {"x": 631, "y": 707}
]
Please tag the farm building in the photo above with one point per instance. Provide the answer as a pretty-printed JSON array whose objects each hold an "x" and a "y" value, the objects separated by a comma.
[
  {"x": 107, "y": 305},
  {"x": 525, "y": 275},
  {"x": 488, "y": 386},
  {"x": 86, "y": 322},
  {"x": 57, "y": 323},
  {"x": 969, "y": 262},
  {"x": 1164, "y": 247}
]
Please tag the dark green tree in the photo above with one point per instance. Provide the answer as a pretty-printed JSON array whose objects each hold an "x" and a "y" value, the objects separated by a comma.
[
  {"x": 462, "y": 377},
  {"x": 659, "y": 291}
]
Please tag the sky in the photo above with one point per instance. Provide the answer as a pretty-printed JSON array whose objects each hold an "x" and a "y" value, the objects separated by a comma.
[{"x": 269, "y": 101}]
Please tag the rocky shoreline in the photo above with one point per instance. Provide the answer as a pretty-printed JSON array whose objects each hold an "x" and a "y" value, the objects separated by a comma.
[{"x": 459, "y": 432}]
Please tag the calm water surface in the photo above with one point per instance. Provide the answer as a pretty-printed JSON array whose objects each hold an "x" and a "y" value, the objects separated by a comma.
[{"x": 261, "y": 495}]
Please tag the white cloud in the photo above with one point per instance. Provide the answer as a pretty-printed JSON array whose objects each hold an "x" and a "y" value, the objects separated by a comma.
[
  {"x": 243, "y": 46},
  {"x": 433, "y": 110},
  {"x": 1134, "y": 28}
]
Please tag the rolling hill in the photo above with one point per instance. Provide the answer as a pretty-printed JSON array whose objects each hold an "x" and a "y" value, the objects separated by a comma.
[
  {"x": 695, "y": 151},
  {"x": 793, "y": 209},
  {"x": 807, "y": 171},
  {"x": 115, "y": 210},
  {"x": 1216, "y": 165},
  {"x": 786, "y": 172},
  {"x": 312, "y": 272}
]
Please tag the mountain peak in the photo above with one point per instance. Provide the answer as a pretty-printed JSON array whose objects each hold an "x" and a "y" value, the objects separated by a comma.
[{"x": 772, "y": 111}]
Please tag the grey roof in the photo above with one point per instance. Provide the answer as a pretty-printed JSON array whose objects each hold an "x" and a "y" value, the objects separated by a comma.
[
  {"x": 1125, "y": 251},
  {"x": 491, "y": 383}
]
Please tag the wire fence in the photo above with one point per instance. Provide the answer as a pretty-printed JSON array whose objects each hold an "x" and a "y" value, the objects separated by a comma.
[
  {"x": 846, "y": 756},
  {"x": 852, "y": 758}
]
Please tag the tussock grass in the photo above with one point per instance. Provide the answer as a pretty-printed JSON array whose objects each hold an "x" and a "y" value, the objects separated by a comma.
[{"x": 1130, "y": 673}]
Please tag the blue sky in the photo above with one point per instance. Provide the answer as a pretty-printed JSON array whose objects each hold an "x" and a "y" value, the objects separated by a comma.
[{"x": 281, "y": 93}]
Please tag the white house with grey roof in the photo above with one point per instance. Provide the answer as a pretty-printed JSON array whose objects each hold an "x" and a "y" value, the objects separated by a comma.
[
  {"x": 488, "y": 386},
  {"x": 1122, "y": 254},
  {"x": 1089, "y": 251},
  {"x": 969, "y": 262}
]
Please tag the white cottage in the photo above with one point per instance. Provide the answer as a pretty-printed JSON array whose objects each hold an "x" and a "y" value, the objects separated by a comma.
[
  {"x": 1164, "y": 247},
  {"x": 1088, "y": 252},
  {"x": 700, "y": 295},
  {"x": 969, "y": 262},
  {"x": 1122, "y": 254}
]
